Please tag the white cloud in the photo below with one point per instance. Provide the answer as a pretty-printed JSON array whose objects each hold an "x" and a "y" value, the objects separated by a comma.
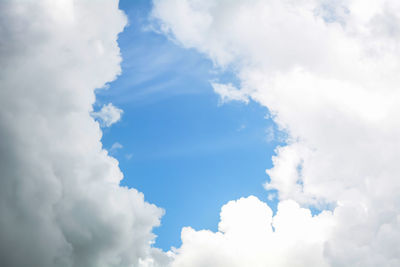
[
  {"x": 328, "y": 72},
  {"x": 108, "y": 115},
  {"x": 248, "y": 235},
  {"x": 228, "y": 92},
  {"x": 61, "y": 202}
]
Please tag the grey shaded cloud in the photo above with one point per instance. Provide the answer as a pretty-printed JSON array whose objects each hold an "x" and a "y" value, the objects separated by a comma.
[{"x": 60, "y": 199}]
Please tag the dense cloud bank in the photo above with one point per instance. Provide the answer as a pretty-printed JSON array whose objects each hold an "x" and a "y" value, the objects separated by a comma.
[
  {"x": 328, "y": 73},
  {"x": 60, "y": 199}
]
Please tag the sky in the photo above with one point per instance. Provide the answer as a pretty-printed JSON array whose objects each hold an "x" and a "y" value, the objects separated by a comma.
[
  {"x": 179, "y": 141},
  {"x": 191, "y": 133}
]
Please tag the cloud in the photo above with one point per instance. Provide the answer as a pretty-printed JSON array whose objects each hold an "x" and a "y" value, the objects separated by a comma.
[
  {"x": 248, "y": 235},
  {"x": 108, "y": 115},
  {"x": 115, "y": 147},
  {"x": 61, "y": 202},
  {"x": 328, "y": 73},
  {"x": 228, "y": 92}
]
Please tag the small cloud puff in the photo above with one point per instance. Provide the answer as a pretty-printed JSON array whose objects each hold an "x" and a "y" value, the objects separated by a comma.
[
  {"x": 108, "y": 115},
  {"x": 228, "y": 92}
]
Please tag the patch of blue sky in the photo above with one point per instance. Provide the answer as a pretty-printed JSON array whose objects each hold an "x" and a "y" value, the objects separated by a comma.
[{"x": 175, "y": 143}]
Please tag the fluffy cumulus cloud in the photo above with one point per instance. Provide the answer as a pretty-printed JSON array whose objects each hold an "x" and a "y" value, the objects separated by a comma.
[
  {"x": 248, "y": 235},
  {"x": 328, "y": 72},
  {"x": 60, "y": 199}
]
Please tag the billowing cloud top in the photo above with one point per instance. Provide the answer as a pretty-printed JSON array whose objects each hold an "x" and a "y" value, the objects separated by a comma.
[
  {"x": 60, "y": 199},
  {"x": 328, "y": 72}
]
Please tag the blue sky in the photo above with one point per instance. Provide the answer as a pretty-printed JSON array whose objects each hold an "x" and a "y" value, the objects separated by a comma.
[{"x": 184, "y": 150}]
